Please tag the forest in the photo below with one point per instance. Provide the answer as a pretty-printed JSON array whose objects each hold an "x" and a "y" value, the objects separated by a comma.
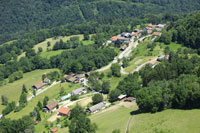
[
  {"x": 32, "y": 15},
  {"x": 184, "y": 31}
]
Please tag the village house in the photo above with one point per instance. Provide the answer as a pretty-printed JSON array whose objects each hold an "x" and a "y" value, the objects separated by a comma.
[
  {"x": 124, "y": 40},
  {"x": 156, "y": 34},
  {"x": 114, "y": 39},
  {"x": 50, "y": 107},
  {"x": 80, "y": 76},
  {"x": 78, "y": 91},
  {"x": 129, "y": 99},
  {"x": 137, "y": 33},
  {"x": 126, "y": 34},
  {"x": 38, "y": 86},
  {"x": 54, "y": 130},
  {"x": 87, "y": 74},
  {"x": 97, "y": 107},
  {"x": 64, "y": 111},
  {"x": 121, "y": 97},
  {"x": 153, "y": 63},
  {"x": 123, "y": 47},
  {"x": 161, "y": 26},
  {"x": 166, "y": 57},
  {"x": 70, "y": 78},
  {"x": 46, "y": 81},
  {"x": 149, "y": 31}
]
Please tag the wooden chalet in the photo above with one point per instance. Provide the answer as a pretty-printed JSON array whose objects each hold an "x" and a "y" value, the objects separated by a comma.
[{"x": 38, "y": 86}]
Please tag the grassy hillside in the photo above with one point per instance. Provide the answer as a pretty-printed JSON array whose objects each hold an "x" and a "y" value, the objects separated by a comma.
[
  {"x": 30, "y": 15},
  {"x": 169, "y": 121},
  {"x": 13, "y": 90},
  {"x": 52, "y": 40},
  {"x": 51, "y": 93}
]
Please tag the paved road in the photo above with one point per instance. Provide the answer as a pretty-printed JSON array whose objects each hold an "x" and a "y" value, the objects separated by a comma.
[{"x": 125, "y": 53}]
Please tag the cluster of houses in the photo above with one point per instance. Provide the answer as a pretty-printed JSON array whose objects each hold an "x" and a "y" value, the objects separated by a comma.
[
  {"x": 154, "y": 29},
  {"x": 125, "y": 38},
  {"x": 76, "y": 78},
  {"x": 41, "y": 84}
]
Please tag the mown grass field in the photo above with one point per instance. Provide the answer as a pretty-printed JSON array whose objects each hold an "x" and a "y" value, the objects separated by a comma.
[
  {"x": 49, "y": 54},
  {"x": 168, "y": 121},
  {"x": 52, "y": 93},
  {"x": 114, "y": 117},
  {"x": 52, "y": 40},
  {"x": 13, "y": 90}
]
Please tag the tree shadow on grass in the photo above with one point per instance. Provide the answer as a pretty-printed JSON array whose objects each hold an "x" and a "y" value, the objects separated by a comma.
[{"x": 135, "y": 112}]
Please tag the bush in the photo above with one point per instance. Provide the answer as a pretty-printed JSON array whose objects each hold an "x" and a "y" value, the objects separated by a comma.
[{"x": 74, "y": 97}]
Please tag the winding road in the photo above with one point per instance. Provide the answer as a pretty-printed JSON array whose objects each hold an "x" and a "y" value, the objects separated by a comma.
[{"x": 125, "y": 53}]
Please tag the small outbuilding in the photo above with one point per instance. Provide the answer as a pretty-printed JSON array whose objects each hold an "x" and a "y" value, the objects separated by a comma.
[{"x": 121, "y": 97}]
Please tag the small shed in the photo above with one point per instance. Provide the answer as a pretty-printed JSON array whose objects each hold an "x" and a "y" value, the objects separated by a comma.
[{"x": 121, "y": 97}]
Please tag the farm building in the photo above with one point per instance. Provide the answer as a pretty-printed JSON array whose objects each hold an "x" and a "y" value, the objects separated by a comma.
[
  {"x": 121, "y": 97},
  {"x": 129, "y": 99},
  {"x": 38, "y": 86},
  {"x": 97, "y": 107},
  {"x": 123, "y": 47},
  {"x": 64, "y": 111},
  {"x": 156, "y": 33},
  {"x": 46, "y": 81},
  {"x": 70, "y": 78},
  {"x": 78, "y": 91},
  {"x": 51, "y": 106}
]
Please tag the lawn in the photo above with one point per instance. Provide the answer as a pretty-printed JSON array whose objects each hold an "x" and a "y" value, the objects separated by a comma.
[
  {"x": 168, "y": 121},
  {"x": 13, "y": 90},
  {"x": 173, "y": 46},
  {"x": 49, "y": 54},
  {"x": 52, "y": 93},
  {"x": 136, "y": 62},
  {"x": 115, "y": 117},
  {"x": 52, "y": 40}
]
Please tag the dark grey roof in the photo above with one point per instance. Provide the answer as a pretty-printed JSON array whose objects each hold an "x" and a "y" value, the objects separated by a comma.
[
  {"x": 97, "y": 107},
  {"x": 77, "y": 91}
]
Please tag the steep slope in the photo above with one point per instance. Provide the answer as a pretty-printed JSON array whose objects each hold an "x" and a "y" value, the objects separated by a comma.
[{"x": 27, "y": 15}]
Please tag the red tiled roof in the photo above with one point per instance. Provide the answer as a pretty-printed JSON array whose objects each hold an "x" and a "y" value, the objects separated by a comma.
[
  {"x": 54, "y": 130},
  {"x": 114, "y": 38},
  {"x": 64, "y": 110},
  {"x": 65, "y": 76},
  {"x": 39, "y": 85},
  {"x": 156, "y": 33},
  {"x": 46, "y": 80}
]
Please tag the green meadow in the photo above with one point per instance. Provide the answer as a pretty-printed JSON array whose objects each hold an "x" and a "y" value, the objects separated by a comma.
[{"x": 13, "y": 90}]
